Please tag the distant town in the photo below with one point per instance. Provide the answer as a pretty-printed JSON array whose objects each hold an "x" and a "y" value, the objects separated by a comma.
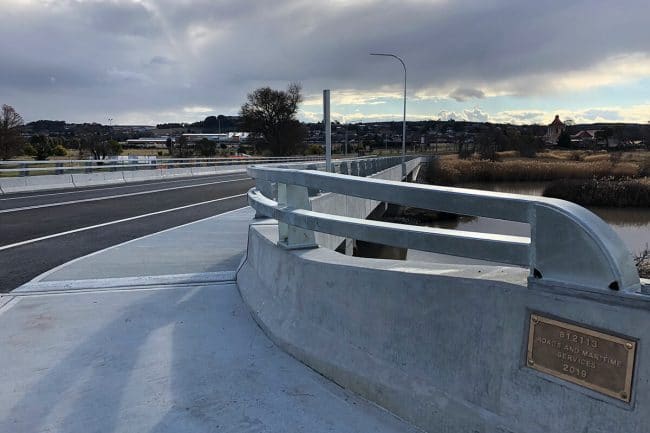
[{"x": 223, "y": 136}]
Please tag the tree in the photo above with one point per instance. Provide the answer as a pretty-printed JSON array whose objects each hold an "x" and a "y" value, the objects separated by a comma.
[
  {"x": 564, "y": 140},
  {"x": 206, "y": 147},
  {"x": 211, "y": 123},
  {"x": 11, "y": 142},
  {"x": 42, "y": 147},
  {"x": 270, "y": 116},
  {"x": 182, "y": 149}
]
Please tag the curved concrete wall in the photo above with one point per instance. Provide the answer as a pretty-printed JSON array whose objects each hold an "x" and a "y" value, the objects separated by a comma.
[{"x": 442, "y": 348}]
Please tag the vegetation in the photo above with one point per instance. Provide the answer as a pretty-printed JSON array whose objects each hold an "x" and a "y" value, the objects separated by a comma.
[
  {"x": 206, "y": 147},
  {"x": 11, "y": 142},
  {"x": 564, "y": 140},
  {"x": 270, "y": 116},
  {"x": 589, "y": 179},
  {"x": 602, "y": 192},
  {"x": 451, "y": 171},
  {"x": 41, "y": 147},
  {"x": 642, "y": 262},
  {"x": 315, "y": 149},
  {"x": 181, "y": 149}
]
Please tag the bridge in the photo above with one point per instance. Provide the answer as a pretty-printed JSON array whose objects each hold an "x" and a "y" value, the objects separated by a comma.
[{"x": 200, "y": 327}]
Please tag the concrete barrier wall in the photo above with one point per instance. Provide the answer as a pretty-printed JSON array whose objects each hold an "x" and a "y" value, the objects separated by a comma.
[
  {"x": 36, "y": 183},
  {"x": 443, "y": 348},
  {"x": 142, "y": 175},
  {"x": 60, "y": 181},
  {"x": 104, "y": 178},
  {"x": 177, "y": 172}
]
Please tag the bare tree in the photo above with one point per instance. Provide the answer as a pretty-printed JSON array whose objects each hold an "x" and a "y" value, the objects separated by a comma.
[
  {"x": 11, "y": 142},
  {"x": 270, "y": 115}
]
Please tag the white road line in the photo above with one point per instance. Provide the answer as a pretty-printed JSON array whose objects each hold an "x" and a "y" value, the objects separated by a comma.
[
  {"x": 109, "y": 197},
  {"x": 82, "y": 229},
  {"x": 78, "y": 191}
]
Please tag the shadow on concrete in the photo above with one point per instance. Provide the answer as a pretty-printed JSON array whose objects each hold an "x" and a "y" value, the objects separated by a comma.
[{"x": 189, "y": 360}]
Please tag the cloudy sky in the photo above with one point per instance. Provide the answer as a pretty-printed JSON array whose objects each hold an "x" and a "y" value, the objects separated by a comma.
[{"x": 152, "y": 61}]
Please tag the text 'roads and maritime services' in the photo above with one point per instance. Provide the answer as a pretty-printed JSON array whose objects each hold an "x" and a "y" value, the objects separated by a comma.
[{"x": 593, "y": 359}]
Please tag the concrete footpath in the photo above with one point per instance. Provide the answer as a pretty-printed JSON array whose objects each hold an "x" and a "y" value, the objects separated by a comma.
[{"x": 152, "y": 336}]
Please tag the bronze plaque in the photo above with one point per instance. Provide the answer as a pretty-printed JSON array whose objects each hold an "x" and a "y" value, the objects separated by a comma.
[{"x": 598, "y": 361}]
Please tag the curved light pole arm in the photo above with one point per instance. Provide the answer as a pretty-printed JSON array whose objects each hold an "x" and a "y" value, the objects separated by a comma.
[{"x": 404, "y": 113}]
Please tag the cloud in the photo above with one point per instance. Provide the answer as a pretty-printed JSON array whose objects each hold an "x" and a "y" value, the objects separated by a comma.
[
  {"x": 198, "y": 110},
  {"x": 463, "y": 94},
  {"x": 473, "y": 115},
  {"x": 158, "y": 56}
]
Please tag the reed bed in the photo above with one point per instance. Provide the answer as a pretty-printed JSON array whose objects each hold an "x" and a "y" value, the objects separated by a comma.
[
  {"x": 602, "y": 192},
  {"x": 455, "y": 171}
]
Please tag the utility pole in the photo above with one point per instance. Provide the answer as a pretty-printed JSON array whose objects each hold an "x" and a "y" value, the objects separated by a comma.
[{"x": 328, "y": 130}]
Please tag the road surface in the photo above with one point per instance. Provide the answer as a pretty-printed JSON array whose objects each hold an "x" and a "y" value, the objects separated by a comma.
[{"x": 41, "y": 230}]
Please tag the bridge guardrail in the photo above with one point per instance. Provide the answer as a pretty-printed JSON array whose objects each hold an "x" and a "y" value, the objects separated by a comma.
[
  {"x": 28, "y": 168},
  {"x": 568, "y": 245}
]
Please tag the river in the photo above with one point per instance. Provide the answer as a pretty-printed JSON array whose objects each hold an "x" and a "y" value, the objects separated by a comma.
[{"x": 631, "y": 224}]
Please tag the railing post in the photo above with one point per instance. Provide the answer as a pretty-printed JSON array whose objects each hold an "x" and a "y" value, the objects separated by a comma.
[{"x": 289, "y": 236}]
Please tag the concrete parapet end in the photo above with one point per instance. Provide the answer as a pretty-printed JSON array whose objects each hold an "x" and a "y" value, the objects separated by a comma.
[{"x": 441, "y": 346}]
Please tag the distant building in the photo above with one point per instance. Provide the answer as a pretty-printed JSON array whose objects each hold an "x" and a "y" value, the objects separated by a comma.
[
  {"x": 554, "y": 130},
  {"x": 587, "y": 138},
  {"x": 149, "y": 142},
  {"x": 227, "y": 137}
]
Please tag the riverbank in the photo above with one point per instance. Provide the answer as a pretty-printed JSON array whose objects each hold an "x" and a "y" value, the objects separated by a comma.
[
  {"x": 596, "y": 179},
  {"x": 452, "y": 171},
  {"x": 602, "y": 192}
]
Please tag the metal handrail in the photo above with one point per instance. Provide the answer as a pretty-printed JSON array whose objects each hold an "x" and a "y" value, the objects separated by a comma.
[
  {"x": 157, "y": 159},
  {"x": 569, "y": 245},
  {"x": 61, "y": 166}
]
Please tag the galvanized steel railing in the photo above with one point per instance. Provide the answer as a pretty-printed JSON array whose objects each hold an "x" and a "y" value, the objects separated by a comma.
[
  {"x": 568, "y": 244},
  {"x": 30, "y": 168}
]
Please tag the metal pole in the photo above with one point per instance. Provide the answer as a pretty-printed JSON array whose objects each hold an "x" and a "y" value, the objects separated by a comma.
[
  {"x": 404, "y": 116},
  {"x": 328, "y": 130}
]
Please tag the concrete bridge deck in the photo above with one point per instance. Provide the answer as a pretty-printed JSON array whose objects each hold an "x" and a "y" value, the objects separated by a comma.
[{"x": 92, "y": 346}]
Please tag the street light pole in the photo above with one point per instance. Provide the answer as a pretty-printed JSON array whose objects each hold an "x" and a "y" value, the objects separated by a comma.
[{"x": 404, "y": 115}]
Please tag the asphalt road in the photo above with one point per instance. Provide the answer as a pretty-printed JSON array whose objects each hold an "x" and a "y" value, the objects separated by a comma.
[{"x": 39, "y": 231}]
